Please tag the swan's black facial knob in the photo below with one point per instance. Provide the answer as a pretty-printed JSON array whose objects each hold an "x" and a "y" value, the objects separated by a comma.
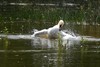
[{"x": 60, "y": 27}]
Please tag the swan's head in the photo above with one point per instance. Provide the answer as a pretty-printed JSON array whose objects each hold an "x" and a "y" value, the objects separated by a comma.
[{"x": 61, "y": 23}]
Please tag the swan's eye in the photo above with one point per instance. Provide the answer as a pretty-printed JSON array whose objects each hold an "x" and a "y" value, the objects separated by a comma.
[{"x": 60, "y": 26}]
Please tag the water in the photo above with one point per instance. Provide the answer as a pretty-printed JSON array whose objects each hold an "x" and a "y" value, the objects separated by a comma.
[{"x": 23, "y": 51}]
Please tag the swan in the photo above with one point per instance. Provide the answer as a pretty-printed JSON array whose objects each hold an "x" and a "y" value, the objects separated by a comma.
[{"x": 52, "y": 32}]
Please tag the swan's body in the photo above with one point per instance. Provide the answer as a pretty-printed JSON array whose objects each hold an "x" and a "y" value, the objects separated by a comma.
[
  {"x": 54, "y": 32},
  {"x": 50, "y": 32}
]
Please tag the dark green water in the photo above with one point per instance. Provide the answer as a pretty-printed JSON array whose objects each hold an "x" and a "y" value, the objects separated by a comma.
[
  {"x": 17, "y": 52},
  {"x": 27, "y": 53}
]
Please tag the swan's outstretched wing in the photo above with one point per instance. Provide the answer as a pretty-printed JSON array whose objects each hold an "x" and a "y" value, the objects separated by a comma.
[
  {"x": 63, "y": 34},
  {"x": 41, "y": 33},
  {"x": 66, "y": 36}
]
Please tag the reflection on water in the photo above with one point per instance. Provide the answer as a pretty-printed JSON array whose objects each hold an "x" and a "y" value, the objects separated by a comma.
[
  {"x": 24, "y": 51},
  {"x": 41, "y": 52}
]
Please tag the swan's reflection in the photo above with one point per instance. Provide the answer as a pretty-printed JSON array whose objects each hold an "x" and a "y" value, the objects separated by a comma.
[{"x": 53, "y": 43}]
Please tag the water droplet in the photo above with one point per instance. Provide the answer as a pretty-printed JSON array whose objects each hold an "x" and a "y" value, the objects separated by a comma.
[{"x": 45, "y": 56}]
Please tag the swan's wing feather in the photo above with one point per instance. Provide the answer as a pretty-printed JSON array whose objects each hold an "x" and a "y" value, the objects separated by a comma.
[
  {"x": 40, "y": 33},
  {"x": 62, "y": 33}
]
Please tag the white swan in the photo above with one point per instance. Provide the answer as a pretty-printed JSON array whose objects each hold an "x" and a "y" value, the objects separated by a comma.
[{"x": 52, "y": 32}]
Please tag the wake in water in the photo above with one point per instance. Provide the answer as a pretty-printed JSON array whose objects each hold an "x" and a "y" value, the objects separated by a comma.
[
  {"x": 52, "y": 36},
  {"x": 86, "y": 38},
  {"x": 51, "y": 43}
]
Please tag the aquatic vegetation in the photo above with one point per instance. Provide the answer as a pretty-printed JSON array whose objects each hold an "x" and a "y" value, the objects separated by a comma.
[
  {"x": 5, "y": 39},
  {"x": 83, "y": 40},
  {"x": 6, "y": 42},
  {"x": 5, "y": 31},
  {"x": 60, "y": 51},
  {"x": 82, "y": 11}
]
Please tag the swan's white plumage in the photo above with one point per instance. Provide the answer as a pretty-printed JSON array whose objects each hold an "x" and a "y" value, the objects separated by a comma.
[
  {"x": 50, "y": 32},
  {"x": 54, "y": 32},
  {"x": 40, "y": 33}
]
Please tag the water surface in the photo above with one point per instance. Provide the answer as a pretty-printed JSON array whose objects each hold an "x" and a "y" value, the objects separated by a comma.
[{"x": 24, "y": 52}]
